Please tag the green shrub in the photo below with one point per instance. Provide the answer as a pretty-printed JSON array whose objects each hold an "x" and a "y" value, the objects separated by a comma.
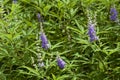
[{"x": 65, "y": 24}]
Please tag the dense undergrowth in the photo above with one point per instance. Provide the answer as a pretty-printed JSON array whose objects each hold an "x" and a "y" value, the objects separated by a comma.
[{"x": 65, "y": 23}]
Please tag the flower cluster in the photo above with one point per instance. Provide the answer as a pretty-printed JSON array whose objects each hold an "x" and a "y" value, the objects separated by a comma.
[
  {"x": 43, "y": 37},
  {"x": 92, "y": 33},
  {"x": 113, "y": 14},
  {"x": 40, "y": 62},
  {"x": 39, "y": 17},
  {"x": 60, "y": 63},
  {"x": 44, "y": 40}
]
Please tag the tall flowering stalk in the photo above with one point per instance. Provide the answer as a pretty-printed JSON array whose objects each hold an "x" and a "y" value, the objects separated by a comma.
[
  {"x": 43, "y": 37},
  {"x": 113, "y": 14},
  {"x": 60, "y": 63},
  {"x": 40, "y": 61},
  {"x": 91, "y": 29}
]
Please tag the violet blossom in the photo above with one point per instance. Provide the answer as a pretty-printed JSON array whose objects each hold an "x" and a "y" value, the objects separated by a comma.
[
  {"x": 92, "y": 33},
  {"x": 44, "y": 40},
  {"x": 113, "y": 14},
  {"x": 60, "y": 63},
  {"x": 40, "y": 18}
]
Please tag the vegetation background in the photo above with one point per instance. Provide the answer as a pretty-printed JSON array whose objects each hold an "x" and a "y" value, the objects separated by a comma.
[{"x": 66, "y": 26}]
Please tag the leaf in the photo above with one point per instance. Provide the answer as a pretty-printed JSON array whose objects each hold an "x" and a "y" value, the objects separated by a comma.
[
  {"x": 1, "y": 11},
  {"x": 63, "y": 77},
  {"x": 56, "y": 45},
  {"x": 101, "y": 66},
  {"x": 3, "y": 53},
  {"x": 46, "y": 9},
  {"x": 54, "y": 78},
  {"x": 74, "y": 29},
  {"x": 2, "y": 76},
  {"x": 31, "y": 70},
  {"x": 31, "y": 50},
  {"x": 81, "y": 28}
]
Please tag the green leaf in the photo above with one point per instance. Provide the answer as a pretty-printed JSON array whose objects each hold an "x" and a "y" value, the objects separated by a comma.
[
  {"x": 54, "y": 77},
  {"x": 31, "y": 70},
  {"x": 57, "y": 45}
]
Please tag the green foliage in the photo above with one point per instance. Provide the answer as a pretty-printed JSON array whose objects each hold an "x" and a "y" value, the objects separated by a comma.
[{"x": 65, "y": 25}]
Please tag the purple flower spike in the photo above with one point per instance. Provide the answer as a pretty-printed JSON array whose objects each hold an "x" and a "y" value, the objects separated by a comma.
[
  {"x": 92, "y": 33},
  {"x": 44, "y": 40},
  {"x": 60, "y": 63},
  {"x": 113, "y": 14}
]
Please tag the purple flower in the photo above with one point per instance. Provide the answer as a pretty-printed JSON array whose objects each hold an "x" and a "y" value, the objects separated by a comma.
[
  {"x": 60, "y": 63},
  {"x": 92, "y": 33},
  {"x": 14, "y": 1},
  {"x": 40, "y": 18},
  {"x": 44, "y": 40},
  {"x": 113, "y": 14}
]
